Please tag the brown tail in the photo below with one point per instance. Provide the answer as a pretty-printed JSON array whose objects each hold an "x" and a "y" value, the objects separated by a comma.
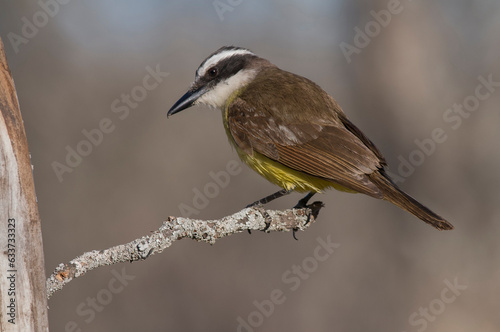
[{"x": 398, "y": 197}]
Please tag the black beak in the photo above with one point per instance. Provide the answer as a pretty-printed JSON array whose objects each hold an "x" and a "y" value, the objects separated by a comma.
[{"x": 186, "y": 101}]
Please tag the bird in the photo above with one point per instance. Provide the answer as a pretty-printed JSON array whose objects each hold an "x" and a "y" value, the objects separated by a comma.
[{"x": 292, "y": 132}]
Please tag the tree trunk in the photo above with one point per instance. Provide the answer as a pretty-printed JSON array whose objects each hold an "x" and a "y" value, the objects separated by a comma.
[{"x": 23, "y": 296}]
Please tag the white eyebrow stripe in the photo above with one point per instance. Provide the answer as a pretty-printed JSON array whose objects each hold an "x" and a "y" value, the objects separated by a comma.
[{"x": 218, "y": 57}]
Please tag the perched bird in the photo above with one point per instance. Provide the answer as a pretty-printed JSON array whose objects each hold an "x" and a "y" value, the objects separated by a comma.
[{"x": 290, "y": 131}]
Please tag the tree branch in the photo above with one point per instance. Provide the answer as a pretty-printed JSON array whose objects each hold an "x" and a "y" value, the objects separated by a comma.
[{"x": 177, "y": 228}]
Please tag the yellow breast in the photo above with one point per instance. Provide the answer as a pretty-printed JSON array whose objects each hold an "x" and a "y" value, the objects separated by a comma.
[{"x": 276, "y": 172}]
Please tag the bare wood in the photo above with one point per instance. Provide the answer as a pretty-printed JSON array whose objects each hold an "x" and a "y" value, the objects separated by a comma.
[
  {"x": 22, "y": 287},
  {"x": 176, "y": 228}
]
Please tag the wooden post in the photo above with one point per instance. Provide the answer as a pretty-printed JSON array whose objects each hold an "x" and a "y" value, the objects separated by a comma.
[{"x": 23, "y": 297}]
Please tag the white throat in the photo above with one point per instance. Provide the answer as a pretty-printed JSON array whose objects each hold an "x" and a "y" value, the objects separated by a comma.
[{"x": 218, "y": 95}]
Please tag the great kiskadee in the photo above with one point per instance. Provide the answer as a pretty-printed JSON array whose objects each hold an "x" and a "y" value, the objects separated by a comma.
[{"x": 290, "y": 131}]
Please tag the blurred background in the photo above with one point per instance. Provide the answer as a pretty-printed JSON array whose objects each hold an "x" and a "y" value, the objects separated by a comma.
[{"x": 96, "y": 78}]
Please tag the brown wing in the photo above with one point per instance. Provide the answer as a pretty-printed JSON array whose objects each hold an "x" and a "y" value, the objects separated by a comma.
[
  {"x": 359, "y": 134},
  {"x": 324, "y": 146}
]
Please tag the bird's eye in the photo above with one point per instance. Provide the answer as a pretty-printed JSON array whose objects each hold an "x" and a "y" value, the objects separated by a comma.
[{"x": 212, "y": 72}]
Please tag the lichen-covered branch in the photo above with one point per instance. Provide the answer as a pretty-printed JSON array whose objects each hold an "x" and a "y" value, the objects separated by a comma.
[{"x": 177, "y": 228}]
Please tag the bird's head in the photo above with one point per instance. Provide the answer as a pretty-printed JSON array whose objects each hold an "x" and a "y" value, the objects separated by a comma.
[{"x": 221, "y": 74}]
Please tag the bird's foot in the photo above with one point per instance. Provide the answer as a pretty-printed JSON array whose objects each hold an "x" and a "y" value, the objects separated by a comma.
[
  {"x": 259, "y": 207},
  {"x": 312, "y": 210}
]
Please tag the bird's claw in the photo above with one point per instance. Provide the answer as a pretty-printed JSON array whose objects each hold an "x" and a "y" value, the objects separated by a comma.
[{"x": 259, "y": 207}]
